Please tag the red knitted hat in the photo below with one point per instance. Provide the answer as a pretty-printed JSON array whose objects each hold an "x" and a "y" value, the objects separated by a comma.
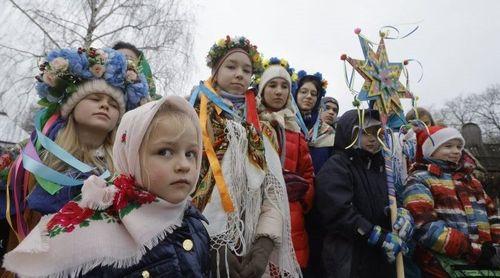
[{"x": 428, "y": 143}]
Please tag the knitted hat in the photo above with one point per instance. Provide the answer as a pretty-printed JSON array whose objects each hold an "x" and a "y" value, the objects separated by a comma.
[
  {"x": 273, "y": 71},
  {"x": 325, "y": 100},
  {"x": 428, "y": 143},
  {"x": 65, "y": 76},
  {"x": 92, "y": 87}
]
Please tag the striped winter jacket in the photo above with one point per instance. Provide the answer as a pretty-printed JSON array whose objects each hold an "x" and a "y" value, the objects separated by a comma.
[{"x": 453, "y": 214}]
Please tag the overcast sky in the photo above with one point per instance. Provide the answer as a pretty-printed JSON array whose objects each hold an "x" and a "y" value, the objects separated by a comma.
[{"x": 458, "y": 42}]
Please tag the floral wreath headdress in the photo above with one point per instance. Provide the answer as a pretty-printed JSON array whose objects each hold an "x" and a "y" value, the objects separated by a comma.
[
  {"x": 223, "y": 46},
  {"x": 65, "y": 69}
]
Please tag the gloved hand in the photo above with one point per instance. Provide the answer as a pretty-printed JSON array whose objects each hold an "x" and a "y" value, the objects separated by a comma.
[
  {"x": 255, "y": 262},
  {"x": 233, "y": 264},
  {"x": 404, "y": 224},
  {"x": 296, "y": 186},
  {"x": 389, "y": 242}
]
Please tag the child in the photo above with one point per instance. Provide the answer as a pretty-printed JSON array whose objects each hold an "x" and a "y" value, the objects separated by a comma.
[
  {"x": 136, "y": 56},
  {"x": 85, "y": 92},
  {"x": 351, "y": 197},
  {"x": 241, "y": 189},
  {"x": 456, "y": 222},
  {"x": 275, "y": 105},
  {"x": 141, "y": 225}
]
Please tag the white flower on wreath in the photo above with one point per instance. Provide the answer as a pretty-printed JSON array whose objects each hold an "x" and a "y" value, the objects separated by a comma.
[{"x": 59, "y": 65}]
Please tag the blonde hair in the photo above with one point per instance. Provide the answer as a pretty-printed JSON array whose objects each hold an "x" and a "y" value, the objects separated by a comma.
[
  {"x": 68, "y": 140},
  {"x": 173, "y": 116}
]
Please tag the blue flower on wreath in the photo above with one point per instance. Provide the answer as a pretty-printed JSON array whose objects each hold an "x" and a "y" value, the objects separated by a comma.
[
  {"x": 42, "y": 89},
  {"x": 78, "y": 62},
  {"x": 116, "y": 68},
  {"x": 136, "y": 91}
]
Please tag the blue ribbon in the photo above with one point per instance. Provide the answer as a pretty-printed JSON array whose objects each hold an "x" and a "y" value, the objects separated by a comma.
[
  {"x": 213, "y": 97},
  {"x": 47, "y": 173},
  {"x": 56, "y": 150},
  {"x": 298, "y": 118},
  {"x": 52, "y": 175}
]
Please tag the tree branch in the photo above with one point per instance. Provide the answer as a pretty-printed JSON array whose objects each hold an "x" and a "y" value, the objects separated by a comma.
[{"x": 36, "y": 23}]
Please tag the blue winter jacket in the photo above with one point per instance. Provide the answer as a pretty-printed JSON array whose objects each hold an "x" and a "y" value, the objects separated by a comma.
[{"x": 169, "y": 258}]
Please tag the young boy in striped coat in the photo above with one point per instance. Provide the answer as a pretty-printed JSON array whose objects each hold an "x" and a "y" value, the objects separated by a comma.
[{"x": 456, "y": 225}]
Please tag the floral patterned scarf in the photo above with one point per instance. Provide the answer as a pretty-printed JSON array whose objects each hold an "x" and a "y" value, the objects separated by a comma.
[{"x": 108, "y": 224}]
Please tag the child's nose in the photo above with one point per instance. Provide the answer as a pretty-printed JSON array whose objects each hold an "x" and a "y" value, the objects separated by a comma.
[{"x": 182, "y": 165}]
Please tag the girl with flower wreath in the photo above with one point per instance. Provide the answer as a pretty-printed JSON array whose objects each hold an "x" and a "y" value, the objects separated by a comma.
[
  {"x": 84, "y": 93},
  {"x": 140, "y": 225},
  {"x": 241, "y": 190},
  {"x": 276, "y": 105}
]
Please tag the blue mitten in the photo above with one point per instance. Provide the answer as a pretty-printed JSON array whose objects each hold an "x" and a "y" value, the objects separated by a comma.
[
  {"x": 390, "y": 243},
  {"x": 404, "y": 224}
]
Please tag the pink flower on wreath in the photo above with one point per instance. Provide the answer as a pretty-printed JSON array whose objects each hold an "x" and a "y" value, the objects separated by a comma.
[
  {"x": 70, "y": 216},
  {"x": 132, "y": 76},
  {"x": 59, "y": 64},
  {"x": 49, "y": 78},
  {"x": 97, "y": 70},
  {"x": 128, "y": 192}
]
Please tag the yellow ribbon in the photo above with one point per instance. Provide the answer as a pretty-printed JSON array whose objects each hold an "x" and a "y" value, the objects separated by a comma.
[{"x": 227, "y": 204}]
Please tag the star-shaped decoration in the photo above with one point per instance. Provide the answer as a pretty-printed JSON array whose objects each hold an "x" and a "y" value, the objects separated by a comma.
[{"x": 382, "y": 83}]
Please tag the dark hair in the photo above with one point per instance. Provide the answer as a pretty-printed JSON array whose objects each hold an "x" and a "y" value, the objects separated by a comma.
[
  {"x": 310, "y": 78},
  {"x": 129, "y": 46},
  {"x": 421, "y": 112}
]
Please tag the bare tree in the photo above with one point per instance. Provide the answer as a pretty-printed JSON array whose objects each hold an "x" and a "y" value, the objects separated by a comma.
[
  {"x": 482, "y": 109},
  {"x": 163, "y": 29}
]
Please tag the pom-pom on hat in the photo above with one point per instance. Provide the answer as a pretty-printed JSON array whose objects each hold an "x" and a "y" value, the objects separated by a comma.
[
  {"x": 224, "y": 47},
  {"x": 69, "y": 75},
  {"x": 429, "y": 142}
]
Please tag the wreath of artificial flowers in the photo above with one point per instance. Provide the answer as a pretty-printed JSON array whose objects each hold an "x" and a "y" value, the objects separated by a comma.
[
  {"x": 223, "y": 46},
  {"x": 318, "y": 76},
  {"x": 282, "y": 62},
  {"x": 65, "y": 69}
]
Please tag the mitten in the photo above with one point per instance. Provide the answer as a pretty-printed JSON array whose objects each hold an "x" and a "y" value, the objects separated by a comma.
[
  {"x": 404, "y": 224},
  {"x": 389, "y": 242},
  {"x": 296, "y": 186},
  {"x": 255, "y": 262}
]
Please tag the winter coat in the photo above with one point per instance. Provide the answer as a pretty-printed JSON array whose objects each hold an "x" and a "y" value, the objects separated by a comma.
[
  {"x": 298, "y": 161},
  {"x": 351, "y": 196},
  {"x": 453, "y": 215},
  {"x": 170, "y": 258}
]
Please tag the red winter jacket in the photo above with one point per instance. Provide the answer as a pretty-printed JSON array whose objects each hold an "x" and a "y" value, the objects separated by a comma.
[{"x": 298, "y": 160}]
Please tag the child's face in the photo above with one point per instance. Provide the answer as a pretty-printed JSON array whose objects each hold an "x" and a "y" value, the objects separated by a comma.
[
  {"x": 329, "y": 115},
  {"x": 98, "y": 112},
  {"x": 450, "y": 151},
  {"x": 170, "y": 160},
  {"x": 129, "y": 54},
  {"x": 307, "y": 97},
  {"x": 234, "y": 74},
  {"x": 369, "y": 140},
  {"x": 276, "y": 93}
]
